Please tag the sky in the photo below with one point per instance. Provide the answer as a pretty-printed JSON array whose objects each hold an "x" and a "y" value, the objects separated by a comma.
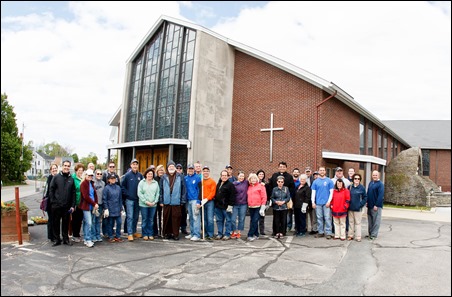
[{"x": 63, "y": 64}]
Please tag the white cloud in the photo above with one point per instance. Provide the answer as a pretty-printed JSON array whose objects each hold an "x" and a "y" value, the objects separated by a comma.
[
  {"x": 393, "y": 58},
  {"x": 65, "y": 79}
]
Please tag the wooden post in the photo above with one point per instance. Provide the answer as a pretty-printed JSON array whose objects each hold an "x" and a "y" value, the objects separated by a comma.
[{"x": 18, "y": 222}]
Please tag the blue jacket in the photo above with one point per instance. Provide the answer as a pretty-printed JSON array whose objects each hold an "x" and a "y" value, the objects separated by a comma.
[
  {"x": 358, "y": 197},
  {"x": 375, "y": 194},
  {"x": 129, "y": 185},
  {"x": 112, "y": 199},
  {"x": 193, "y": 184},
  {"x": 179, "y": 194}
]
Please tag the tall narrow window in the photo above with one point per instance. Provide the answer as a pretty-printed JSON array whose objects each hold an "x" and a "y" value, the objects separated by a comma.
[
  {"x": 362, "y": 136},
  {"x": 370, "y": 147},
  {"x": 426, "y": 162},
  {"x": 379, "y": 144},
  {"x": 385, "y": 146}
]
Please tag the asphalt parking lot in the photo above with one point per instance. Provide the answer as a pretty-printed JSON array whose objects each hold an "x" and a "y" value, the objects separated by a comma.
[{"x": 411, "y": 256}]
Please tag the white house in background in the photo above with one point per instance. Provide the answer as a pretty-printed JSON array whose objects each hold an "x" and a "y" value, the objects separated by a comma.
[{"x": 40, "y": 165}]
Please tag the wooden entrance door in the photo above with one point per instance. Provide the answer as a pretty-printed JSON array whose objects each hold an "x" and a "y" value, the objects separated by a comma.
[
  {"x": 144, "y": 160},
  {"x": 160, "y": 157}
]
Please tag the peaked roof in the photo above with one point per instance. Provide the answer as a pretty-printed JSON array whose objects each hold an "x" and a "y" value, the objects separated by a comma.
[
  {"x": 45, "y": 156},
  {"x": 426, "y": 134},
  {"x": 313, "y": 79}
]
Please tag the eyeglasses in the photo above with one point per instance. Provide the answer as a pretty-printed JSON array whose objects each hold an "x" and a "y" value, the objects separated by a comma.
[
  {"x": 280, "y": 181},
  {"x": 357, "y": 178},
  {"x": 112, "y": 166},
  {"x": 98, "y": 173}
]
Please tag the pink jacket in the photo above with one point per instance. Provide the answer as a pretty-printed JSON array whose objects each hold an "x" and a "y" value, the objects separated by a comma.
[{"x": 257, "y": 195}]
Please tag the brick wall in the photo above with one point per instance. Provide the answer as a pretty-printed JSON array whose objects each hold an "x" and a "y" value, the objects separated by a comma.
[{"x": 261, "y": 89}]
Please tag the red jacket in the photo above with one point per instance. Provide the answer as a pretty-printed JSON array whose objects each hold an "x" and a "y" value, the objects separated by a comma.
[
  {"x": 85, "y": 200},
  {"x": 340, "y": 202}
]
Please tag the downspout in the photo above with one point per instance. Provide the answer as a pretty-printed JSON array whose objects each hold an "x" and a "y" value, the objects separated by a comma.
[{"x": 316, "y": 136}]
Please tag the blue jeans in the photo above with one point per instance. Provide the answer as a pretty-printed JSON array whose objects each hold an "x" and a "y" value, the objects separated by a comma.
[
  {"x": 300, "y": 221},
  {"x": 195, "y": 220},
  {"x": 222, "y": 216},
  {"x": 324, "y": 216},
  {"x": 254, "y": 221},
  {"x": 87, "y": 225},
  {"x": 147, "y": 220},
  {"x": 132, "y": 209},
  {"x": 110, "y": 221},
  {"x": 240, "y": 212},
  {"x": 96, "y": 223},
  {"x": 208, "y": 218}
]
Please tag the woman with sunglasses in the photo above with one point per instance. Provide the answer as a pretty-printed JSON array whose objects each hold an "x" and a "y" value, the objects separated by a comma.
[{"x": 358, "y": 198}]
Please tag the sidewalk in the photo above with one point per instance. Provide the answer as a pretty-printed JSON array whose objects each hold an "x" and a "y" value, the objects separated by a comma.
[
  {"x": 8, "y": 192},
  {"x": 438, "y": 214}
]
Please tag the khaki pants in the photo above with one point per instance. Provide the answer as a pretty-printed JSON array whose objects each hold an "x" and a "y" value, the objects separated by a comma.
[
  {"x": 339, "y": 227},
  {"x": 354, "y": 228}
]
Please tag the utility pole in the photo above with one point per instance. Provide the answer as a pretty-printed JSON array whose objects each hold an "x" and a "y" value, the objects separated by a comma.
[{"x": 22, "y": 141}]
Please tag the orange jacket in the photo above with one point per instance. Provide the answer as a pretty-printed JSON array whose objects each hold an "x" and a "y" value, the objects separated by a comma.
[{"x": 209, "y": 187}]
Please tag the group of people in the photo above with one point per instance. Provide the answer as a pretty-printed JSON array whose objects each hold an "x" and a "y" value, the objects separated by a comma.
[{"x": 166, "y": 197}]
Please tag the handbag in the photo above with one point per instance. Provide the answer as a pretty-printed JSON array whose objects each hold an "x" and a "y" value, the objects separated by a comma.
[
  {"x": 290, "y": 204},
  {"x": 43, "y": 205}
]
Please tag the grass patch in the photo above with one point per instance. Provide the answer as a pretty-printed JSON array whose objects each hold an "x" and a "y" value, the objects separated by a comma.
[{"x": 412, "y": 207}]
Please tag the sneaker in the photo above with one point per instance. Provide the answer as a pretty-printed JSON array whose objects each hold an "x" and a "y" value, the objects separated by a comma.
[
  {"x": 89, "y": 243},
  {"x": 234, "y": 235},
  {"x": 130, "y": 238},
  {"x": 151, "y": 237},
  {"x": 137, "y": 235},
  {"x": 281, "y": 236},
  {"x": 238, "y": 235},
  {"x": 226, "y": 238},
  {"x": 188, "y": 237},
  {"x": 119, "y": 239},
  {"x": 111, "y": 240},
  {"x": 318, "y": 235},
  {"x": 372, "y": 237},
  {"x": 208, "y": 238},
  {"x": 195, "y": 238},
  {"x": 251, "y": 238},
  {"x": 218, "y": 237},
  {"x": 328, "y": 237},
  {"x": 146, "y": 238},
  {"x": 301, "y": 234},
  {"x": 76, "y": 239}
]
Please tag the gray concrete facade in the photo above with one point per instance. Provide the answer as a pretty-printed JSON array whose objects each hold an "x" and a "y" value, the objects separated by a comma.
[{"x": 211, "y": 103}]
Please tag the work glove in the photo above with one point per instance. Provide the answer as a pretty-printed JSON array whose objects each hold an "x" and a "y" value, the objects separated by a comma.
[
  {"x": 262, "y": 211},
  {"x": 204, "y": 201},
  {"x": 106, "y": 213},
  {"x": 303, "y": 207},
  {"x": 96, "y": 212},
  {"x": 229, "y": 209}
]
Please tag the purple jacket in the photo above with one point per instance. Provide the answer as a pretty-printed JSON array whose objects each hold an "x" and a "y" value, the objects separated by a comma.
[{"x": 241, "y": 189}]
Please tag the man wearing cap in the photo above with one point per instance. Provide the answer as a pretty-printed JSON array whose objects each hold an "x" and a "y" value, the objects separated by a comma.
[
  {"x": 111, "y": 170},
  {"x": 231, "y": 177},
  {"x": 208, "y": 191},
  {"x": 183, "y": 210},
  {"x": 129, "y": 187},
  {"x": 193, "y": 184},
  {"x": 173, "y": 193},
  {"x": 340, "y": 174}
]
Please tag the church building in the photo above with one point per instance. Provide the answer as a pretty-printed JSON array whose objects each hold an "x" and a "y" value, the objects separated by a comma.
[{"x": 194, "y": 95}]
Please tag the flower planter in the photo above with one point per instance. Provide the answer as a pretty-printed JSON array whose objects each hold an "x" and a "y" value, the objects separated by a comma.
[{"x": 9, "y": 229}]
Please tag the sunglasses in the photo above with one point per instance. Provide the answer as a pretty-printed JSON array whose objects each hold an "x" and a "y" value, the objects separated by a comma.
[
  {"x": 111, "y": 166},
  {"x": 98, "y": 173},
  {"x": 357, "y": 178},
  {"x": 280, "y": 181}
]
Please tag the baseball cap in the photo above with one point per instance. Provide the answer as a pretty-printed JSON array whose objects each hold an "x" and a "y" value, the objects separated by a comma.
[
  {"x": 339, "y": 169},
  {"x": 190, "y": 166},
  {"x": 89, "y": 172},
  {"x": 206, "y": 167},
  {"x": 170, "y": 162},
  {"x": 315, "y": 172},
  {"x": 134, "y": 161},
  {"x": 228, "y": 166},
  {"x": 111, "y": 176},
  {"x": 307, "y": 169},
  {"x": 179, "y": 165}
]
